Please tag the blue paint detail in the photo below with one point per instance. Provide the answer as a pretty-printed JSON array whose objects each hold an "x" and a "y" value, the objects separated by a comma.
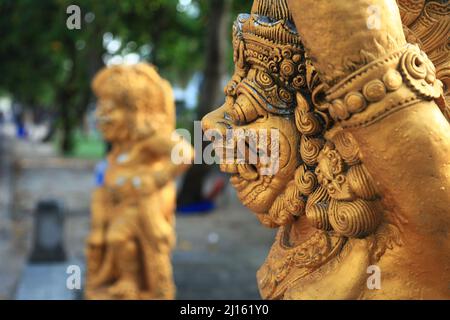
[
  {"x": 100, "y": 170},
  {"x": 199, "y": 207}
]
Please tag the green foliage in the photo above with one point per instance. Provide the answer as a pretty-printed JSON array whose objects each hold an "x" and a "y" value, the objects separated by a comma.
[
  {"x": 38, "y": 51},
  {"x": 88, "y": 146}
]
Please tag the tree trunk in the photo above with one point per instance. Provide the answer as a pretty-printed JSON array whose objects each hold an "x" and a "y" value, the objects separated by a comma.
[
  {"x": 76, "y": 94},
  {"x": 211, "y": 93},
  {"x": 65, "y": 113}
]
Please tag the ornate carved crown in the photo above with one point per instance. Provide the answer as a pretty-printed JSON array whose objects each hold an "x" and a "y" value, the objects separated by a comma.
[{"x": 269, "y": 56}]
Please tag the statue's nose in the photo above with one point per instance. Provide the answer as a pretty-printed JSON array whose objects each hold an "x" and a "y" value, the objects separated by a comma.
[{"x": 216, "y": 121}]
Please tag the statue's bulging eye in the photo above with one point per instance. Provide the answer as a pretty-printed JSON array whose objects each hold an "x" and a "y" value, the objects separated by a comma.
[{"x": 244, "y": 111}]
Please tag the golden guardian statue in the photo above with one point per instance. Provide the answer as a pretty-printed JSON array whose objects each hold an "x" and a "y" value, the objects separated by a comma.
[
  {"x": 128, "y": 249},
  {"x": 357, "y": 92}
]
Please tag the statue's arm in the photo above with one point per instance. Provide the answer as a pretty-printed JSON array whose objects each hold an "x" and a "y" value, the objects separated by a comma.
[
  {"x": 383, "y": 91},
  {"x": 160, "y": 160},
  {"x": 173, "y": 158},
  {"x": 152, "y": 179},
  {"x": 342, "y": 36}
]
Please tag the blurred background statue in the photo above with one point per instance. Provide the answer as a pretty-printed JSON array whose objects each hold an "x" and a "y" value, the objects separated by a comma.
[
  {"x": 128, "y": 250},
  {"x": 361, "y": 196}
]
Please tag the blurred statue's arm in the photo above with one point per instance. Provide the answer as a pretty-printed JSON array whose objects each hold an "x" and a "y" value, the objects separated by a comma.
[
  {"x": 167, "y": 164},
  {"x": 99, "y": 215},
  {"x": 177, "y": 155}
]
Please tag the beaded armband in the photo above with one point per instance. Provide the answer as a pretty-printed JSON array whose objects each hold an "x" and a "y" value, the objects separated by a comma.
[{"x": 384, "y": 86}]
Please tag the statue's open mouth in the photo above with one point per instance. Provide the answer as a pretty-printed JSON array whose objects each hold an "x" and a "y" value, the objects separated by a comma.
[
  {"x": 244, "y": 160},
  {"x": 243, "y": 174}
]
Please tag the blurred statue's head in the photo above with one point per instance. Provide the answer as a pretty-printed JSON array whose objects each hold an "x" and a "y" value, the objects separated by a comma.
[{"x": 133, "y": 102}]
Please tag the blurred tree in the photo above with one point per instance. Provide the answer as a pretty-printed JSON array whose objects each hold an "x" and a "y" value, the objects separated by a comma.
[
  {"x": 46, "y": 64},
  {"x": 211, "y": 93},
  {"x": 217, "y": 58}
]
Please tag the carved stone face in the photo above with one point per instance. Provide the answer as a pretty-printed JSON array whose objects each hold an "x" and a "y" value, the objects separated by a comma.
[
  {"x": 240, "y": 111},
  {"x": 260, "y": 99},
  {"x": 113, "y": 120}
]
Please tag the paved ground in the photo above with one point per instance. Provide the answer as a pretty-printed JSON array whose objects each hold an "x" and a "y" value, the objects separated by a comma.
[
  {"x": 206, "y": 269},
  {"x": 217, "y": 254}
]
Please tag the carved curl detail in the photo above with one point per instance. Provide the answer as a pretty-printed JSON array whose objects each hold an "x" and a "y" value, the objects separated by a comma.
[
  {"x": 352, "y": 208},
  {"x": 310, "y": 149},
  {"x": 347, "y": 147},
  {"x": 308, "y": 123},
  {"x": 357, "y": 218},
  {"x": 420, "y": 73},
  {"x": 361, "y": 182},
  {"x": 305, "y": 180}
]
